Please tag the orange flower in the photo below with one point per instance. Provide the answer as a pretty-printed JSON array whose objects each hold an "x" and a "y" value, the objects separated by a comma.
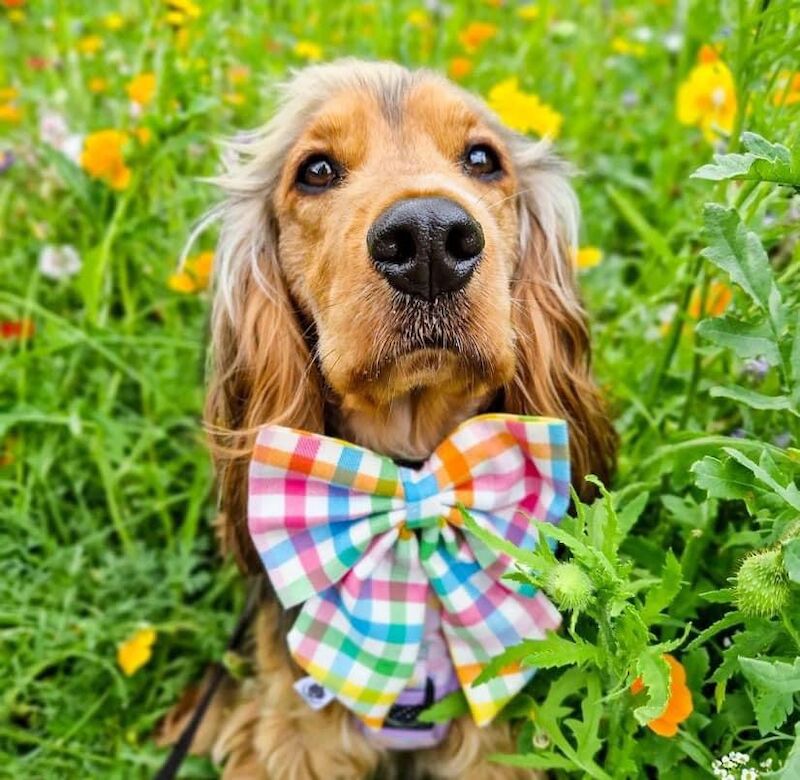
[
  {"x": 718, "y": 299},
  {"x": 102, "y": 158},
  {"x": 195, "y": 274},
  {"x": 475, "y": 34},
  {"x": 10, "y": 113},
  {"x": 787, "y": 91},
  {"x": 679, "y": 705},
  {"x": 142, "y": 88},
  {"x": 16, "y": 329},
  {"x": 460, "y": 67}
]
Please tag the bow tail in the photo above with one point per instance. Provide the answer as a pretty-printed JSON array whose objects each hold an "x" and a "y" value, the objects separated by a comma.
[
  {"x": 482, "y": 617},
  {"x": 361, "y": 637}
]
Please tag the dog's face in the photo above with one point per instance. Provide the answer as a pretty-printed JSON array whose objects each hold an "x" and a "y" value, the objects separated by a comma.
[
  {"x": 398, "y": 239},
  {"x": 391, "y": 257}
]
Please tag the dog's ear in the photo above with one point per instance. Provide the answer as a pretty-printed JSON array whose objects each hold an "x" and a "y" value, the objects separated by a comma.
[
  {"x": 553, "y": 375},
  {"x": 261, "y": 370}
]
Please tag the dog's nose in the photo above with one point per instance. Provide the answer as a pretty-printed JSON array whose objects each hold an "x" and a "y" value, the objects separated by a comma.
[{"x": 425, "y": 246}]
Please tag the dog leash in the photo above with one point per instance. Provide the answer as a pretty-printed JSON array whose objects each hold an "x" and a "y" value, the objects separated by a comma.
[{"x": 170, "y": 767}]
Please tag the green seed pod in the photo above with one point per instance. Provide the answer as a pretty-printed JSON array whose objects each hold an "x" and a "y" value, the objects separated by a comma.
[
  {"x": 762, "y": 587},
  {"x": 569, "y": 586}
]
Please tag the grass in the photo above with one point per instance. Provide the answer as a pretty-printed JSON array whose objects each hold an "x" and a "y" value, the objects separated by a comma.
[{"x": 106, "y": 492}]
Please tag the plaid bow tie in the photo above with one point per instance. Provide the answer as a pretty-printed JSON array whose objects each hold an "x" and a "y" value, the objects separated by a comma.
[{"x": 359, "y": 541}]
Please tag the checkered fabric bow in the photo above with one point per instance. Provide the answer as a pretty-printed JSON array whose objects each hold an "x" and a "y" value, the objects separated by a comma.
[{"x": 358, "y": 541}]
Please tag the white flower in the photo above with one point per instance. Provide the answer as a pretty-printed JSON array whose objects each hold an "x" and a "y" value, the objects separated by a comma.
[
  {"x": 673, "y": 41},
  {"x": 59, "y": 262},
  {"x": 54, "y": 131},
  {"x": 643, "y": 34}
]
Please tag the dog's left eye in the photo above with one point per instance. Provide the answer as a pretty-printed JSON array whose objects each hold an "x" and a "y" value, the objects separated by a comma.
[
  {"x": 318, "y": 173},
  {"x": 482, "y": 161}
]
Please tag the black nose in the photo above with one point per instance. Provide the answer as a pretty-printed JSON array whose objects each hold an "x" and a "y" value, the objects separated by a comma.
[{"x": 425, "y": 246}]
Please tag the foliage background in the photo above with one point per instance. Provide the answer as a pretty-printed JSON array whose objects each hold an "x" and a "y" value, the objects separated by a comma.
[{"x": 106, "y": 496}]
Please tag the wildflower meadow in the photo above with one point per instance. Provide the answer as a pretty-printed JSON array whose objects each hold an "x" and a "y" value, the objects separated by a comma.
[{"x": 680, "y": 585}]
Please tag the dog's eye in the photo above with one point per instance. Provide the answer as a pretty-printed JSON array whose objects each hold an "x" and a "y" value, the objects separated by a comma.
[
  {"x": 482, "y": 161},
  {"x": 318, "y": 173}
]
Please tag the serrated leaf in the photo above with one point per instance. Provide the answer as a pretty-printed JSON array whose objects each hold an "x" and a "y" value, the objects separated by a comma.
[
  {"x": 454, "y": 705},
  {"x": 511, "y": 655},
  {"x": 554, "y": 651},
  {"x": 548, "y": 760},
  {"x": 791, "y": 767},
  {"x": 725, "y": 167},
  {"x": 791, "y": 559},
  {"x": 723, "y": 478},
  {"x": 661, "y": 596},
  {"x": 759, "y": 147},
  {"x": 744, "y": 339},
  {"x": 777, "y": 676},
  {"x": 754, "y": 400},
  {"x": 654, "y": 671},
  {"x": 722, "y": 596},
  {"x": 789, "y": 493},
  {"x": 727, "y": 621},
  {"x": 630, "y": 514},
  {"x": 738, "y": 252}
]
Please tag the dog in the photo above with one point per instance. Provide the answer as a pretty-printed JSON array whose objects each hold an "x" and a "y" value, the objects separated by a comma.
[{"x": 392, "y": 261}]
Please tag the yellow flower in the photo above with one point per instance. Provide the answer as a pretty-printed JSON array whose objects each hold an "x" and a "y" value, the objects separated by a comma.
[
  {"x": 460, "y": 67},
  {"x": 136, "y": 650},
  {"x": 528, "y": 13},
  {"x": 142, "y": 88},
  {"x": 234, "y": 98},
  {"x": 787, "y": 91},
  {"x": 90, "y": 44},
  {"x": 114, "y": 22},
  {"x": 97, "y": 85},
  {"x": 181, "y": 12},
  {"x": 475, "y": 34},
  {"x": 523, "y": 111},
  {"x": 631, "y": 48},
  {"x": 707, "y": 98},
  {"x": 10, "y": 113},
  {"x": 308, "y": 50},
  {"x": 102, "y": 158},
  {"x": 143, "y": 135},
  {"x": 16, "y": 16},
  {"x": 195, "y": 274},
  {"x": 418, "y": 18},
  {"x": 7, "y": 94},
  {"x": 588, "y": 257}
]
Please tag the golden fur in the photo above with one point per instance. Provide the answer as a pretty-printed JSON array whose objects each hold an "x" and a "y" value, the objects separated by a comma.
[{"x": 306, "y": 333}]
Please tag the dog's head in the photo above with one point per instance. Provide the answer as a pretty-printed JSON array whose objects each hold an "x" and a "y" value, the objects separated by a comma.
[{"x": 392, "y": 260}]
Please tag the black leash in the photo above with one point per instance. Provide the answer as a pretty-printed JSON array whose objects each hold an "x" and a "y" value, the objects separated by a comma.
[{"x": 169, "y": 769}]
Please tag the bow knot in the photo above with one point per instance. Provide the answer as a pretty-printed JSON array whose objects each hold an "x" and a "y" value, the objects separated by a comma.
[{"x": 367, "y": 546}]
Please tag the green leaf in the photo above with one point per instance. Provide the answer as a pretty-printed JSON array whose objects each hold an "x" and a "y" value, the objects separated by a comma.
[
  {"x": 510, "y": 655},
  {"x": 654, "y": 671},
  {"x": 743, "y": 339},
  {"x": 776, "y": 683},
  {"x": 739, "y": 252},
  {"x": 725, "y": 167},
  {"x": 753, "y": 399},
  {"x": 791, "y": 559},
  {"x": 762, "y": 161},
  {"x": 723, "y": 478},
  {"x": 548, "y": 760},
  {"x": 629, "y": 516},
  {"x": 454, "y": 705},
  {"x": 532, "y": 558},
  {"x": 587, "y": 730},
  {"x": 789, "y": 494},
  {"x": 661, "y": 596},
  {"x": 727, "y": 621},
  {"x": 554, "y": 651},
  {"x": 777, "y": 676}
]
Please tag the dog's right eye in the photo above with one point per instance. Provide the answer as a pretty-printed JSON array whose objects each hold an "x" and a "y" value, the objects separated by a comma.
[{"x": 318, "y": 173}]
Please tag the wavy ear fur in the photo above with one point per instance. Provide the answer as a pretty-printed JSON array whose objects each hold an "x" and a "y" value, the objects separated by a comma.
[{"x": 553, "y": 374}]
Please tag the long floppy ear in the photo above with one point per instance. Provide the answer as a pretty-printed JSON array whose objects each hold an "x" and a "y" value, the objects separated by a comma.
[
  {"x": 553, "y": 374},
  {"x": 261, "y": 369}
]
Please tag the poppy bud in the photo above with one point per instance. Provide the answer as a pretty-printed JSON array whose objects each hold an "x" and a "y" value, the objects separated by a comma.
[
  {"x": 762, "y": 587},
  {"x": 569, "y": 586}
]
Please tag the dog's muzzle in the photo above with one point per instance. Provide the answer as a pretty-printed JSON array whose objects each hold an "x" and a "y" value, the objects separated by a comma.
[{"x": 425, "y": 247}]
